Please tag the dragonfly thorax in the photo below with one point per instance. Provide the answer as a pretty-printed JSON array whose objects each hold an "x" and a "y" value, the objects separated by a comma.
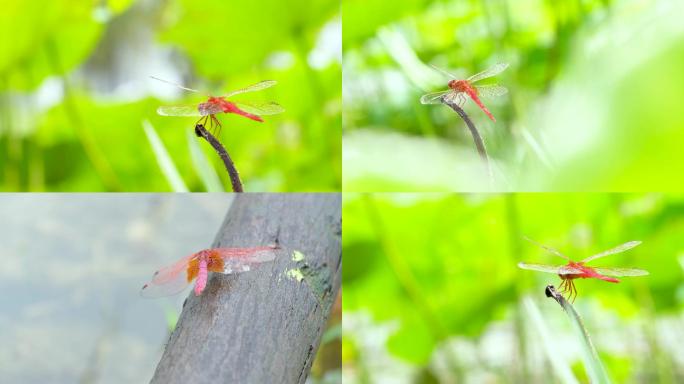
[
  {"x": 215, "y": 99},
  {"x": 203, "y": 254},
  {"x": 459, "y": 85},
  {"x": 212, "y": 106},
  {"x": 213, "y": 261}
]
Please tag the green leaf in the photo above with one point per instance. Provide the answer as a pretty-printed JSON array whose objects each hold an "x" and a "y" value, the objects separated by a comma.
[
  {"x": 164, "y": 159},
  {"x": 207, "y": 173}
]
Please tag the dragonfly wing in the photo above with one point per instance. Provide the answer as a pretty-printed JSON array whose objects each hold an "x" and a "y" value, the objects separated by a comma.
[
  {"x": 540, "y": 267},
  {"x": 618, "y": 249},
  {"x": 208, "y": 108},
  {"x": 176, "y": 84},
  {"x": 492, "y": 71},
  {"x": 253, "y": 88},
  {"x": 260, "y": 108},
  {"x": 179, "y": 110},
  {"x": 168, "y": 280},
  {"x": 549, "y": 249},
  {"x": 493, "y": 90},
  {"x": 617, "y": 272},
  {"x": 458, "y": 98},
  {"x": 568, "y": 270},
  {"x": 444, "y": 72},
  {"x": 238, "y": 260},
  {"x": 434, "y": 97},
  {"x": 170, "y": 288}
]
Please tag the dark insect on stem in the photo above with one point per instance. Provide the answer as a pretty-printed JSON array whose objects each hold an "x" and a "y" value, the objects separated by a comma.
[
  {"x": 202, "y": 132},
  {"x": 551, "y": 292}
]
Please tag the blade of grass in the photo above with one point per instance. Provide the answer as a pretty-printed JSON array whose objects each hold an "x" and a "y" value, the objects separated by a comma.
[
  {"x": 536, "y": 148},
  {"x": 164, "y": 159},
  {"x": 594, "y": 366},
  {"x": 206, "y": 172},
  {"x": 559, "y": 365}
]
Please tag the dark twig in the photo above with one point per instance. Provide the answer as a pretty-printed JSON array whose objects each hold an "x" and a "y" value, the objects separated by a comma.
[
  {"x": 201, "y": 131},
  {"x": 473, "y": 130},
  {"x": 551, "y": 292},
  {"x": 479, "y": 143}
]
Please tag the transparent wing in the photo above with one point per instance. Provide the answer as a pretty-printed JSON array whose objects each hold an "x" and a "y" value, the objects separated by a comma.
[
  {"x": 169, "y": 280},
  {"x": 434, "y": 97},
  {"x": 555, "y": 269},
  {"x": 260, "y": 108},
  {"x": 170, "y": 288},
  {"x": 179, "y": 110},
  {"x": 444, "y": 72},
  {"x": 618, "y": 249},
  {"x": 208, "y": 108},
  {"x": 458, "y": 98},
  {"x": 617, "y": 272},
  {"x": 238, "y": 260},
  {"x": 253, "y": 88},
  {"x": 548, "y": 249},
  {"x": 568, "y": 270},
  {"x": 493, "y": 90},
  {"x": 176, "y": 84},
  {"x": 492, "y": 71}
]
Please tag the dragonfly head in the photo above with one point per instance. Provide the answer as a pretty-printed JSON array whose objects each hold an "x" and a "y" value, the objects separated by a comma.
[{"x": 203, "y": 254}]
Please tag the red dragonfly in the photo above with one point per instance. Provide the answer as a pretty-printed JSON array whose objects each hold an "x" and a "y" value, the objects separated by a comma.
[
  {"x": 174, "y": 278},
  {"x": 218, "y": 104},
  {"x": 460, "y": 90},
  {"x": 578, "y": 270}
]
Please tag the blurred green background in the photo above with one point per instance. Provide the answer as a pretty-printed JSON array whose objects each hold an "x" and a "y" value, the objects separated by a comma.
[
  {"x": 75, "y": 93},
  {"x": 594, "y": 103},
  {"x": 432, "y": 292}
]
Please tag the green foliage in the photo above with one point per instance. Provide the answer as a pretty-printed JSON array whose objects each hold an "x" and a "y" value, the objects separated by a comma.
[
  {"x": 443, "y": 267},
  {"x": 593, "y": 103},
  {"x": 90, "y": 141}
]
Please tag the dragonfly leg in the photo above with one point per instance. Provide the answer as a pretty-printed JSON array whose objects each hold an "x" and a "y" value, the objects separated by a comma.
[
  {"x": 216, "y": 123},
  {"x": 460, "y": 99},
  {"x": 211, "y": 124},
  {"x": 573, "y": 291},
  {"x": 201, "y": 122},
  {"x": 562, "y": 287},
  {"x": 567, "y": 287}
]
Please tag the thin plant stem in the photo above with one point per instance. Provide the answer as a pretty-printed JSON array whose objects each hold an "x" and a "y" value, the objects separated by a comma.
[
  {"x": 594, "y": 366},
  {"x": 477, "y": 138},
  {"x": 202, "y": 132},
  {"x": 479, "y": 144}
]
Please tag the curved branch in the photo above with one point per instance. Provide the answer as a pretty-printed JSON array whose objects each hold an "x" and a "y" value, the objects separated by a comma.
[
  {"x": 473, "y": 130},
  {"x": 202, "y": 132}
]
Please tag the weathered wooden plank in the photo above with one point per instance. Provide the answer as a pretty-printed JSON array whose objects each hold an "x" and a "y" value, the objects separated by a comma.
[{"x": 263, "y": 326}]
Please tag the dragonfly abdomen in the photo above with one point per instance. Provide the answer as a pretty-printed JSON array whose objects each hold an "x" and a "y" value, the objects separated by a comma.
[{"x": 202, "y": 276}]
